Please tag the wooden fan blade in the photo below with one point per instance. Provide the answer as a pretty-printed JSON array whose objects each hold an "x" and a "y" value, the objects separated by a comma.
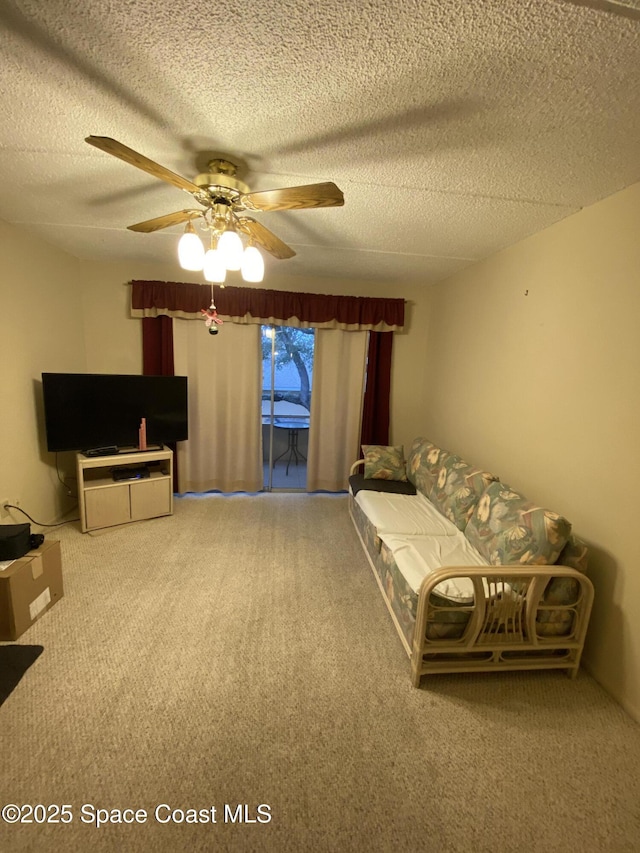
[
  {"x": 112, "y": 146},
  {"x": 294, "y": 198},
  {"x": 265, "y": 238},
  {"x": 612, "y": 6},
  {"x": 165, "y": 221}
]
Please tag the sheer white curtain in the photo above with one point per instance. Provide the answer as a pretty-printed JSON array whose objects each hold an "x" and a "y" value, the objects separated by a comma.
[
  {"x": 224, "y": 450},
  {"x": 336, "y": 407}
]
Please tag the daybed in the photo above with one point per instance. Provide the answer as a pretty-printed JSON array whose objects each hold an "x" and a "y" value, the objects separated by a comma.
[{"x": 475, "y": 576}]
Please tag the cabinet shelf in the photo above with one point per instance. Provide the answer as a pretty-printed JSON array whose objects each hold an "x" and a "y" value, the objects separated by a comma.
[
  {"x": 105, "y": 502},
  {"x": 96, "y": 479}
]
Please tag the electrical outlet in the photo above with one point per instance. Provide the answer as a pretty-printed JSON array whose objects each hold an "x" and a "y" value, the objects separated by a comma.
[{"x": 4, "y": 512}]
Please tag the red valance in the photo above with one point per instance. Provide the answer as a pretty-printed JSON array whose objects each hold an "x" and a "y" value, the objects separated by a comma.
[{"x": 255, "y": 305}]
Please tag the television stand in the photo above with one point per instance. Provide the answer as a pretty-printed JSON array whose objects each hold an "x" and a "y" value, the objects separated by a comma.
[{"x": 106, "y": 501}]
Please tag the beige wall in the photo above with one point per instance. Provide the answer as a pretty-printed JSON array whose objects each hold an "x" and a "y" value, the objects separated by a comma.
[
  {"x": 533, "y": 371},
  {"x": 41, "y": 329}
]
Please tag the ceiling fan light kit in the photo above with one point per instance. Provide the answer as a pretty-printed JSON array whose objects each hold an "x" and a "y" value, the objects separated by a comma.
[
  {"x": 226, "y": 253},
  {"x": 223, "y": 196}
]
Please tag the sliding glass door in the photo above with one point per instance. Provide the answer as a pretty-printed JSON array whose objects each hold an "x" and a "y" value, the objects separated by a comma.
[{"x": 287, "y": 376}]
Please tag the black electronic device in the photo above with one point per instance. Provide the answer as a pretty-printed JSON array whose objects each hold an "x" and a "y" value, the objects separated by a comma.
[
  {"x": 102, "y": 451},
  {"x": 101, "y": 413},
  {"x": 15, "y": 541},
  {"x": 130, "y": 472}
]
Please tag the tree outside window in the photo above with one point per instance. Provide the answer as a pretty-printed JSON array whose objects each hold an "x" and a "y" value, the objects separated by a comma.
[{"x": 292, "y": 347}]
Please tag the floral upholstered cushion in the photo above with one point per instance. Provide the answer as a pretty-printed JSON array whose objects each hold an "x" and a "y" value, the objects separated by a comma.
[
  {"x": 424, "y": 463},
  {"x": 458, "y": 489},
  {"x": 507, "y": 528},
  {"x": 384, "y": 463},
  {"x": 574, "y": 554},
  {"x": 563, "y": 591}
]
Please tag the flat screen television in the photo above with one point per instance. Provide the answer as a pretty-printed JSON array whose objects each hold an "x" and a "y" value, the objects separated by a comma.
[{"x": 88, "y": 411}]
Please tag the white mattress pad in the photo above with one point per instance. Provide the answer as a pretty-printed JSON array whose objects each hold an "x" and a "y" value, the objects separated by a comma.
[
  {"x": 409, "y": 514},
  {"x": 418, "y": 556}
]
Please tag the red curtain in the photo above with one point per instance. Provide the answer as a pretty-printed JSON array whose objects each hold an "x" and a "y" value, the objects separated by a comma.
[
  {"x": 375, "y": 409},
  {"x": 157, "y": 346},
  {"x": 157, "y": 360}
]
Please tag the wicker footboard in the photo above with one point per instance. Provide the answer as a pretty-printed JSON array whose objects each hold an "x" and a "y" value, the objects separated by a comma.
[
  {"x": 508, "y": 625},
  {"x": 513, "y": 623}
]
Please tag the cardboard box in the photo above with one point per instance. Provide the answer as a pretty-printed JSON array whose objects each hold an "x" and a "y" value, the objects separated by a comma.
[{"x": 28, "y": 588}]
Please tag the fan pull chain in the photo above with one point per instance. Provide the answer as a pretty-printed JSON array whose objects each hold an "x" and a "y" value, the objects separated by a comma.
[{"x": 210, "y": 316}]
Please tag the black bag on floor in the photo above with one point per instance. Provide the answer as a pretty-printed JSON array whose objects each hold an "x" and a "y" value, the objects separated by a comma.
[{"x": 15, "y": 541}]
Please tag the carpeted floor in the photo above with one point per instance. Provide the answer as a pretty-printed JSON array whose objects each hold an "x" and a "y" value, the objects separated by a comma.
[{"x": 239, "y": 653}]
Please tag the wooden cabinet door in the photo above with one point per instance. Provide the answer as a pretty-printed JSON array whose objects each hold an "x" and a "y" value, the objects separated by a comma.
[
  {"x": 106, "y": 507},
  {"x": 150, "y": 498}
]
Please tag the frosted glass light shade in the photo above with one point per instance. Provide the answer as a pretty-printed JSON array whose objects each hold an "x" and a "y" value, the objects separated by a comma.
[
  {"x": 213, "y": 268},
  {"x": 252, "y": 264},
  {"x": 190, "y": 250},
  {"x": 230, "y": 247}
]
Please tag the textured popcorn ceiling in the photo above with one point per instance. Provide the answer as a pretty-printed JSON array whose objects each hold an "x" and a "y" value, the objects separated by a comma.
[{"x": 454, "y": 129}]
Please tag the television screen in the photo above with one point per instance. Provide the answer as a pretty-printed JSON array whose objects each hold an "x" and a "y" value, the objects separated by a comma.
[{"x": 84, "y": 411}]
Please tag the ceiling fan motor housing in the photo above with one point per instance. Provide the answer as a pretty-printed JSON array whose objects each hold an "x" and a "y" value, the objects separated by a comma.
[{"x": 222, "y": 180}]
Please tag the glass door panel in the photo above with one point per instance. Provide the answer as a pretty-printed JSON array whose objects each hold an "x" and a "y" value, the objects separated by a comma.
[{"x": 287, "y": 374}]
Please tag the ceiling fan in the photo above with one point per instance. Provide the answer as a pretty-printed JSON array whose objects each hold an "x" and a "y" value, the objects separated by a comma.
[{"x": 224, "y": 198}]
